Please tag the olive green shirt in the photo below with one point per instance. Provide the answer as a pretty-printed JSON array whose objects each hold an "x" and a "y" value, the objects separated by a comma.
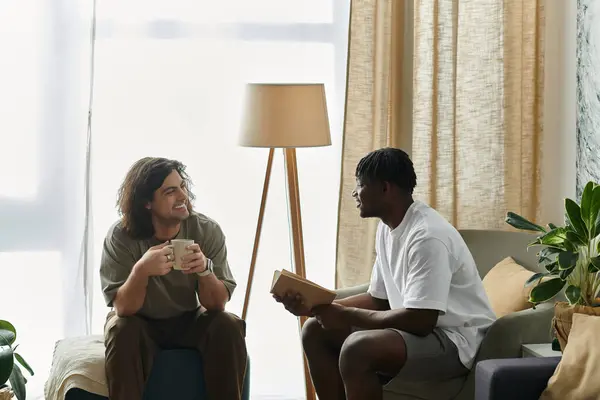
[{"x": 174, "y": 293}]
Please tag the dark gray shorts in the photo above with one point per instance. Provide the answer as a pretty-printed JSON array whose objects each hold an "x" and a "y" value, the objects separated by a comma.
[{"x": 430, "y": 358}]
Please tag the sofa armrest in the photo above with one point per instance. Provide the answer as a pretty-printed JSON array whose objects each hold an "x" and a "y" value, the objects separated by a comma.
[
  {"x": 351, "y": 291},
  {"x": 506, "y": 335},
  {"x": 513, "y": 378}
]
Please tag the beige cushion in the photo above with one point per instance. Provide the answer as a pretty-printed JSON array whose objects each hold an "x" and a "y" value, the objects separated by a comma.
[
  {"x": 505, "y": 287},
  {"x": 576, "y": 376}
]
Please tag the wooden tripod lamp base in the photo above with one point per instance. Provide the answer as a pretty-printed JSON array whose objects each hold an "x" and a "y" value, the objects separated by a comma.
[
  {"x": 284, "y": 116},
  {"x": 298, "y": 246}
]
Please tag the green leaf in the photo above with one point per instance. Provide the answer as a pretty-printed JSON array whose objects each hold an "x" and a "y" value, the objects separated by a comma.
[
  {"x": 597, "y": 224},
  {"x": 8, "y": 333},
  {"x": 595, "y": 264},
  {"x": 547, "y": 258},
  {"x": 573, "y": 293},
  {"x": 553, "y": 267},
  {"x": 544, "y": 262},
  {"x": 548, "y": 252},
  {"x": 547, "y": 255},
  {"x": 17, "y": 382},
  {"x": 552, "y": 226},
  {"x": 568, "y": 246},
  {"x": 516, "y": 221},
  {"x": 595, "y": 211},
  {"x": 22, "y": 361},
  {"x": 546, "y": 290},
  {"x": 586, "y": 206},
  {"x": 554, "y": 238},
  {"x": 563, "y": 274},
  {"x": 6, "y": 363},
  {"x": 567, "y": 259},
  {"x": 574, "y": 214},
  {"x": 575, "y": 239},
  {"x": 535, "y": 277}
]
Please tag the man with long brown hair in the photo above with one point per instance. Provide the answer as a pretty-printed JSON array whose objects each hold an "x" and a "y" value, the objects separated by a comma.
[{"x": 157, "y": 307}]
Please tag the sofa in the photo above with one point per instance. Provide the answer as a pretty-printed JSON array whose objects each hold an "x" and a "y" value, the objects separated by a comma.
[{"x": 504, "y": 337}]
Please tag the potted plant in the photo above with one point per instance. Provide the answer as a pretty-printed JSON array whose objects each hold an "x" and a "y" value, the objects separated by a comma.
[
  {"x": 570, "y": 257},
  {"x": 9, "y": 360}
]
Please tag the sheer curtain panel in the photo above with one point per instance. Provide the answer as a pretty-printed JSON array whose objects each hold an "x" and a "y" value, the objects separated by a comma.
[{"x": 44, "y": 81}]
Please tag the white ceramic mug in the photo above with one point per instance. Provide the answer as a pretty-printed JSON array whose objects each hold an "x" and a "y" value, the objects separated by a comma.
[{"x": 179, "y": 250}]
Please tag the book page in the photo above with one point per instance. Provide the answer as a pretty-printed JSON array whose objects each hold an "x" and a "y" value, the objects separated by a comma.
[{"x": 301, "y": 279}]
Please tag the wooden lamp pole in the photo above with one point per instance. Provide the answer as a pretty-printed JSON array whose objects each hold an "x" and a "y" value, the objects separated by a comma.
[{"x": 291, "y": 169}]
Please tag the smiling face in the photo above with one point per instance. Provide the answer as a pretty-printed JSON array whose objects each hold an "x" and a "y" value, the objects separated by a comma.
[
  {"x": 369, "y": 198},
  {"x": 170, "y": 202}
]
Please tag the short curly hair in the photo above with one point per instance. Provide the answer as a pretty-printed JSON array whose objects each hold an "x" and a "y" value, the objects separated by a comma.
[
  {"x": 137, "y": 189},
  {"x": 388, "y": 164}
]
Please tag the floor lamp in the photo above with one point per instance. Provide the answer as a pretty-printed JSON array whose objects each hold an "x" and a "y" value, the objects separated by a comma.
[{"x": 284, "y": 116}]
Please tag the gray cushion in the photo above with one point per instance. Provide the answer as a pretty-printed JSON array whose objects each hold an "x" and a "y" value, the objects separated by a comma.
[{"x": 513, "y": 378}]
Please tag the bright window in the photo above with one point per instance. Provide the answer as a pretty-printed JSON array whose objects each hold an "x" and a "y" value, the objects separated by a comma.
[
  {"x": 169, "y": 82},
  {"x": 20, "y": 103}
]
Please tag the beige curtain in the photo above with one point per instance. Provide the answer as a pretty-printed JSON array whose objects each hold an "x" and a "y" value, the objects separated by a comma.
[{"x": 458, "y": 84}]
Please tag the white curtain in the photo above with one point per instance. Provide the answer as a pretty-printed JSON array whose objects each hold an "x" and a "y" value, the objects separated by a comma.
[
  {"x": 168, "y": 82},
  {"x": 45, "y": 282}
]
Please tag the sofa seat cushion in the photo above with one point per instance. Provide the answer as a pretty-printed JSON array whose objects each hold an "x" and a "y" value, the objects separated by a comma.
[
  {"x": 505, "y": 287},
  {"x": 398, "y": 389}
]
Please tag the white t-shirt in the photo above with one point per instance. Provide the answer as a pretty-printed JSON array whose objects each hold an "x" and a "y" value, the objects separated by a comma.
[{"x": 424, "y": 263}]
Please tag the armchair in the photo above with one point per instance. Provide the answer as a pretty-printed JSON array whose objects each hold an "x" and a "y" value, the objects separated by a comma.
[
  {"x": 506, "y": 335},
  {"x": 513, "y": 378}
]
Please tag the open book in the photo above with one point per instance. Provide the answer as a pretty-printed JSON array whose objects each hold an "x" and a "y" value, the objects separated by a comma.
[{"x": 313, "y": 294}]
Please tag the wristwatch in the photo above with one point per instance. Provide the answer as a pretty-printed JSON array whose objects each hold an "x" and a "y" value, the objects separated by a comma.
[{"x": 208, "y": 270}]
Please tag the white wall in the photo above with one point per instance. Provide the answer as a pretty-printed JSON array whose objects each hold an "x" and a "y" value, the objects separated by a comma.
[{"x": 559, "y": 145}]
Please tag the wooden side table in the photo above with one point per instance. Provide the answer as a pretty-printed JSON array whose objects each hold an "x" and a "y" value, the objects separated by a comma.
[{"x": 539, "y": 350}]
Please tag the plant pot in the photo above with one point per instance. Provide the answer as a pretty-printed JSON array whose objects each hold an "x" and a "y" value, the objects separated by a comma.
[
  {"x": 563, "y": 319},
  {"x": 6, "y": 393}
]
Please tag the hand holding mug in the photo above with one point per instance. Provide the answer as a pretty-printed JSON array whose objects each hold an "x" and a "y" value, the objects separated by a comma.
[
  {"x": 157, "y": 261},
  {"x": 195, "y": 261}
]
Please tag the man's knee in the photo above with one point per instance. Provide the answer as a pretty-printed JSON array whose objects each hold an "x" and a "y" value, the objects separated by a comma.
[
  {"x": 123, "y": 329},
  {"x": 227, "y": 325},
  {"x": 372, "y": 351},
  {"x": 356, "y": 351},
  {"x": 312, "y": 332}
]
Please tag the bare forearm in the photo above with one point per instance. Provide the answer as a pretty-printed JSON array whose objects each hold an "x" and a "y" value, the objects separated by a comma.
[
  {"x": 130, "y": 297},
  {"x": 417, "y": 322},
  {"x": 212, "y": 293},
  {"x": 364, "y": 301}
]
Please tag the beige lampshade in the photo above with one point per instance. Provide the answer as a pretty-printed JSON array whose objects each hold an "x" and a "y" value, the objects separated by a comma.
[{"x": 285, "y": 115}]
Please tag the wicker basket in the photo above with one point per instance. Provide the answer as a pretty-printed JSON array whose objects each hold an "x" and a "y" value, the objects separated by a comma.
[
  {"x": 6, "y": 394},
  {"x": 563, "y": 319}
]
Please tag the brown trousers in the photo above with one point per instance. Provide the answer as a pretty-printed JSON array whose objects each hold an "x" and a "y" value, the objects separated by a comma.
[{"x": 132, "y": 342}]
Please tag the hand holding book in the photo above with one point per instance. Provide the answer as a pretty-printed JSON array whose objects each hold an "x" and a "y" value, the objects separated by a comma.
[
  {"x": 299, "y": 295},
  {"x": 294, "y": 303}
]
